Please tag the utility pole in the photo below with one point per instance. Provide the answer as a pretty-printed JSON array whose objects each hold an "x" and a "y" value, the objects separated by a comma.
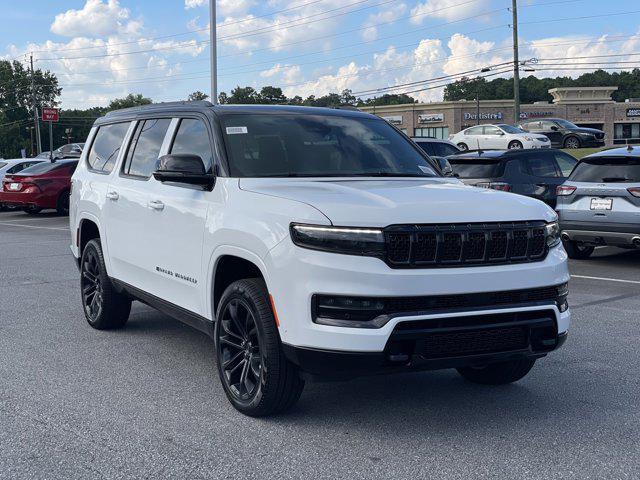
[
  {"x": 516, "y": 64},
  {"x": 214, "y": 51},
  {"x": 33, "y": 150},
  {"x": 36, "y": 120}
]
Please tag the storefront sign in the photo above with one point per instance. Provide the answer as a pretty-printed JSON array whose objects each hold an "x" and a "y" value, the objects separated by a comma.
[
  {"x": 484, "y": 116},
  {"x": 431, "y": 118},
  {"x": 525, "y": 115},
  {"x": 394, "y": 119},
  {"x": 633, "y": 112}
]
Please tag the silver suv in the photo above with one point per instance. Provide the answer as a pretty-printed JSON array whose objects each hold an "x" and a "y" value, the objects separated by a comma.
[{"x": 599, "y": 204}]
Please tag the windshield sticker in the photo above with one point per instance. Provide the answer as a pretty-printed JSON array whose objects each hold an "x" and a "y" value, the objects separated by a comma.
[{"x": 237, "y": 130}]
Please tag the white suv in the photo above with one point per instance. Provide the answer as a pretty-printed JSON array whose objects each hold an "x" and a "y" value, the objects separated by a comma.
[{"x": 311, "y": 243}]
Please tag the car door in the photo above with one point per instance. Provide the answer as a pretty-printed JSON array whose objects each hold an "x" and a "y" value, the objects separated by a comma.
[
  {"x": 177, "y": 215},
  {"x": 493, "y": 138},
  {"x": 553, "y": 131},
  {"x": 474, "y": 138},
  {"x": 132, "y": 252},
  {"x": 543, "y": 176}
]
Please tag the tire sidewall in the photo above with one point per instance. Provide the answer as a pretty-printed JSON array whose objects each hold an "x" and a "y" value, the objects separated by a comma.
[
  {"x": 569, "y": 140},
  {"x": 236, "y": 291},
  {"x": 463, "y": 146},
  {"x": 513, "y": 143}
]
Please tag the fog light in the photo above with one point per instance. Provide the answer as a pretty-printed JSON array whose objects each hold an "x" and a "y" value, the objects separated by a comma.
[{"x": 347, "y": 311}]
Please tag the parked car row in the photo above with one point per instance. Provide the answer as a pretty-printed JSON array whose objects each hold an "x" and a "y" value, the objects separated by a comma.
[
  {"x": 530, "y": 134},
  {"x": 35, "y": 184}
]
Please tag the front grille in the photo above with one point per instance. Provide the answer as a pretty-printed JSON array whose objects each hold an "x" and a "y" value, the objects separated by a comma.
[
  {"x": 422, "y": 246},
  {"x": 599, "y": 136},
  {"x": 476, "y": 342}
]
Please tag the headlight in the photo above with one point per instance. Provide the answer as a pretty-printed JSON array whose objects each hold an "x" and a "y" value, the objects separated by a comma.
[
  {"x": 347, "y": 240},
  {"x": 528, "y": 139},
  {"x": 553, "y": 234}
]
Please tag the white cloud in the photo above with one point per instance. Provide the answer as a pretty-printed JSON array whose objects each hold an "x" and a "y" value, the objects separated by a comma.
[
  {"x": 94, "y": 19},
  {"x": 223, "y": 7},
  {"x": 389, "y": 15},
  {"x": 446, "y": 9}
]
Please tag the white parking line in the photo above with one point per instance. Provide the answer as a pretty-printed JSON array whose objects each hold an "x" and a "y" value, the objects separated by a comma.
[
  {"x": 635, "y": 282},
  {"x": 33, "y": 226}
]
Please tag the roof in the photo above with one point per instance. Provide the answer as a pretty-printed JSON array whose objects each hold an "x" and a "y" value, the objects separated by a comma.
[
  {"x": 495, "y": 154},
  {"x": 222, "y": 110},
  {"x": 629, "y": 151}
]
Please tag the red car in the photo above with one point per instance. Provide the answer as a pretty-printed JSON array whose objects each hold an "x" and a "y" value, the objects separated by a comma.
[{"x": 45, "y": 185}]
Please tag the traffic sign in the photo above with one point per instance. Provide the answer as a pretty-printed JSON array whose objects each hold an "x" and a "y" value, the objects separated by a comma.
[{"x": 49, "y": 114}]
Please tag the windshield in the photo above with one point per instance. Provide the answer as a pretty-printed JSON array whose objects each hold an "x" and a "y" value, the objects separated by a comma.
[
  {"x": 510, "y": 129},
  {"x": 607, "y": 170},
  {"x": 565, "y": 124},
  {"x": 319, "y": 146},
  {"x": 477, "y": 168}
]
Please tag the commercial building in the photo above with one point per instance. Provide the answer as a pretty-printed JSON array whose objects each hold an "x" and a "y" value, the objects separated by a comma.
[{"x": 585, "y": 106}]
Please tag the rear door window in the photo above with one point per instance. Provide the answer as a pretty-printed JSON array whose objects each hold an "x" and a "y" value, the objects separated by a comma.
[
  {"x": 474, "y": 131},
  {"x": 477, "y": 168},
  {"x": 444, "y": 149},
  {"x": 142, "y": 156},
  {"x": 427, "y": 148},
  {"x": 607, "y": 170},
  {"x": 541, "y": 165},
  {"x": 106, "y": 146},
  {"x": 193, "y": 138},
  {"x": 566, "y": 163}
]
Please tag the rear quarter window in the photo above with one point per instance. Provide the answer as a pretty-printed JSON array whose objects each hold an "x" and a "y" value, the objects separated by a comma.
[
  {"x": 470, "y": 168},
  {"x": 607, "y": 170},
  {"x": 106, "y": 146}
]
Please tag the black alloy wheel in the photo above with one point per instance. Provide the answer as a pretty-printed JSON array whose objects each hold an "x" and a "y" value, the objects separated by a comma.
[
  {"x": 90, "y": 283},
  {"x": 104, "y": 307},
  {"x": 239, "y": 351}
]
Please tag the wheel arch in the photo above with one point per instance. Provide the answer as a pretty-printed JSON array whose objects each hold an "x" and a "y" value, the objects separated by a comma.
[
  {"x": 228, "y": 264},
  {"x": 88, "y": 228}
]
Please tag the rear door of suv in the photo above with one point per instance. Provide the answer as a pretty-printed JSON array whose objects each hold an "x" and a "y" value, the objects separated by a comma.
[
  {"x": 607, "y": 191},
  {"x": 541, "y": 171}
]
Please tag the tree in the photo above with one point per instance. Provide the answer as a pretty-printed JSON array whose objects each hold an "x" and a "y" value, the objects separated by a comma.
[
  {"x": 387, "y": 99},
  {"x": 272, "y": 95},
  {"x": 197, "y": 96},
  {"x": 16, "y": 103},
  {"x": 243, "y": 96},
  {"x": 131, "y": 100}
]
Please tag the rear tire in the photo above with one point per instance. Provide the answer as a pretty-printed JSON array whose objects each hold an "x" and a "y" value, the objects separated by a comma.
[
  {"x": 62, "y": 205},
  {"x": 32, "y": 210},
  {"x": 578, "y": 251},
  {"x": 463, "y": 146},
  {"x": 498, "y": 373},
  {"x": 104, "y": 308},
  {"x": 255, "y": 374},
  {"x": 515, "y": 145}
]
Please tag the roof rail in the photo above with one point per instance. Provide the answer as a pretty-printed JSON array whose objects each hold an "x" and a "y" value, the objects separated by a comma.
[{"x": 154, "y": 106}]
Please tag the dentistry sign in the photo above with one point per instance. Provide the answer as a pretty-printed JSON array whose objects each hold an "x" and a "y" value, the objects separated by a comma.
[{"x": 484, "y": 116}]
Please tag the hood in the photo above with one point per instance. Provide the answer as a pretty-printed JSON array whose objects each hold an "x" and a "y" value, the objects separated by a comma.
[
  {"x": 592, "y": 131},
  {"x": 379, "y": 203}
]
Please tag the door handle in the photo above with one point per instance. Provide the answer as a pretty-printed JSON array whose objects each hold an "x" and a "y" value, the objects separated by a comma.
[
  {"x": 113, "y": 196},
  {"x": 156, "y": 205}
]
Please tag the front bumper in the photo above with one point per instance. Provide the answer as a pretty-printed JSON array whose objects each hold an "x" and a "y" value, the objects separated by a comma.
[{"x": 297, "y": 274}]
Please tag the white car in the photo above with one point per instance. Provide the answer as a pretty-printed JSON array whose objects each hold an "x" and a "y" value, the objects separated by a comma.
[
  {"x": 498, "y": 137},
  {"x": 311, "y": 243}
]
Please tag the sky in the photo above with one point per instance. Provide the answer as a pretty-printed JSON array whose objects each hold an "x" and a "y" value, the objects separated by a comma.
[{"x": 103, "y": 49}]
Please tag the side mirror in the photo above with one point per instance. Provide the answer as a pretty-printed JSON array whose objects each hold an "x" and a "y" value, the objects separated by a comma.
[
  {"x": 554, "y": 128},
  {"x": 184, "y": 168},
  {"x": 501, "y": 133}
]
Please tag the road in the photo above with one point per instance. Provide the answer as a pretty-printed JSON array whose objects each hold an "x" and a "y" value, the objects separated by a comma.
[{"x": 145, "y": 402}]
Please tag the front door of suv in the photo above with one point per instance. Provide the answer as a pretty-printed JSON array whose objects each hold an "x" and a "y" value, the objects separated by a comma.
[{"x": 176, "y": 219}]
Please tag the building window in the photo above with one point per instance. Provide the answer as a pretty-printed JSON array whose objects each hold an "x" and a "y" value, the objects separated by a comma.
[
  {"x": 433, "y": 132},
  {"x": 626, "y": 132}
]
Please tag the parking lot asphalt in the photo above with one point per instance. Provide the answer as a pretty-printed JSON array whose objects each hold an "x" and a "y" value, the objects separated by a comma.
[{"x": 145, "y": 401}]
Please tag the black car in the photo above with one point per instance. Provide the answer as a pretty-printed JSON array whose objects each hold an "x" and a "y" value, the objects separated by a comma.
[
  {"x": 438, "y": 150},
  {"x": 564, "y": 134},
  {"x": 534, "y": 173}
]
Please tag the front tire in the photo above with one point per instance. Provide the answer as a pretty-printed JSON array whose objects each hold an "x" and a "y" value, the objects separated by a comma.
[
  {"x": 104, "y": 308},
  {"x": 256, "y": 376},
  {"x": 515, "y": 145},
  {"x": 498, "y": 373},
  {"x": 463, "y": 146},
  {"x": 578, "y": 251}
]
